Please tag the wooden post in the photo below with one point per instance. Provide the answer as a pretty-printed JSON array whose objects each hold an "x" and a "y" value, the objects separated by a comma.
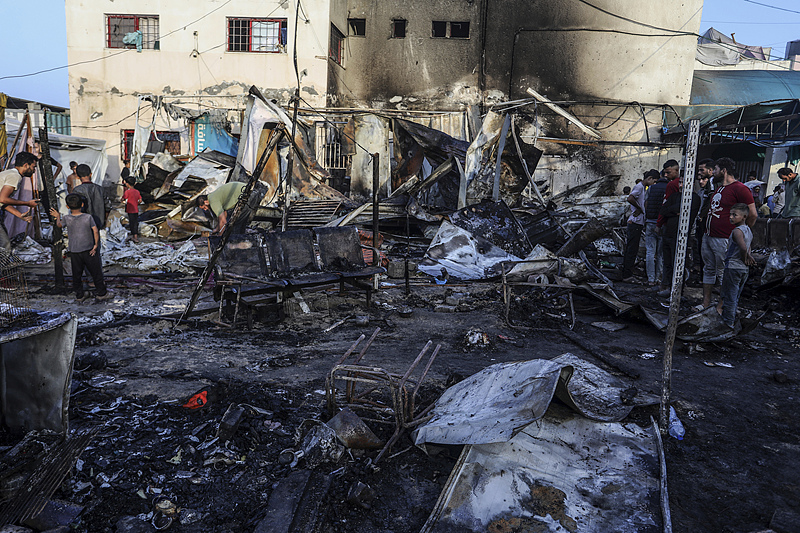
[
  {"x": 677, "y": 273},
  {"x": 376, "y": 157},
  {"x": 51, "y": 200}
]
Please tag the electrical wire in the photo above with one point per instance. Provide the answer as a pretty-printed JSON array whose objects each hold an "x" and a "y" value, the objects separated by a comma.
[
  {"x": 324, "y": 118},
  {"x": 101, "y": 58},
  {"x": 772, "y": 7}
]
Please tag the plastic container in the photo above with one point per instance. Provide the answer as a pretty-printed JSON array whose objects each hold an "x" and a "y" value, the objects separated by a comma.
[{"x": 676, "y": 428}]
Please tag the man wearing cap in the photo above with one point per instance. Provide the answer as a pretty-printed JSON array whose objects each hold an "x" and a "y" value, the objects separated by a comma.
[
  {"x": 10, "y": 181},
  {"x": 791, "y": 193}
]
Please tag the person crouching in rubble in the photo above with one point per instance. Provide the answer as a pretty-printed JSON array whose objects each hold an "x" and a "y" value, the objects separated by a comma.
[
  {"x": 84, "y": 247},
  {"x": 221, "y": 202},
  {"x": 737, "y": 263},
  {"x": 636, "y": 199}
]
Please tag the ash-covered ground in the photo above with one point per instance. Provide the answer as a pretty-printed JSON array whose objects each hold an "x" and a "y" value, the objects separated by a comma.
[{"x": 736, "y": 466}]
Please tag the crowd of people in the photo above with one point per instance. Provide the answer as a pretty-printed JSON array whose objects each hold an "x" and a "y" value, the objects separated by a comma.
[
  {"x": 88, "y": 211},
  {"x": 723, "y": 209}
]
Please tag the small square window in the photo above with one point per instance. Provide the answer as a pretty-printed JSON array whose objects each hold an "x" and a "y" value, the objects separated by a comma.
[
  {"x": 450, "y": 30},
  {"x": 357, "y": 27},
  {"x": 459, "y": 30},
  {"x": 399, "y": 29}
]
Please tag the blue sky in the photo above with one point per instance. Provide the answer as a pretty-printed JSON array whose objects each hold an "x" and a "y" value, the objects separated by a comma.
[{"x": 36, "y": 40}]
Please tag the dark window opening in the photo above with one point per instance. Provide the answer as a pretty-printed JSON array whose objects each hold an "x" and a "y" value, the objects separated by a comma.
[
  {"x": 336, "y": 50},
  {"x": 161, "y": 141},
  {"x": 459, "y": 30},
  {"x": 117, "y": 26},
  {"x": 399, "y": 29},
  {"x": 439, "y": 29},
  {"x": 256, "y": 35},
  {"x": 357, "y": 27},
  {"x": 450, "y": 30}
]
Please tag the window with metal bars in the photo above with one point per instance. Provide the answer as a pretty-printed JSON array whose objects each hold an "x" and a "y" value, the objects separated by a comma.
[
  {"x": 117, "y": 26},
  {"x": 171, "y": 142},
  {"x": 336, "y": 51},
  {"x": 256, "y": 35}
]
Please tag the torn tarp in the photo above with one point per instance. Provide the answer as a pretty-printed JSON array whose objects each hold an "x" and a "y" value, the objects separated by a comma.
[
  {"x": 494, "y": 222},
  {"x": 308, "y": 176},
  {"x": 494, "y": 404},
  {"x": 562, "y": 473},
  {"x": 415, "y": 144},
  {"x": 703, "y": 326},
  {"x": 464, "y": 255},
  {"x": 543, "y": 261},
  {"x": 481, "y": 168}
]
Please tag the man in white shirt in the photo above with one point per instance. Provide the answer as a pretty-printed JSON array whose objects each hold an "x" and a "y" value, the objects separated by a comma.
[
  {"x": 636, "y": 223},
  {"x": 10, "y": 181}
]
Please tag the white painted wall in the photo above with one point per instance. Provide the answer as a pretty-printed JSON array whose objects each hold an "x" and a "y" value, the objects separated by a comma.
[{"x": 104, "y": 84}]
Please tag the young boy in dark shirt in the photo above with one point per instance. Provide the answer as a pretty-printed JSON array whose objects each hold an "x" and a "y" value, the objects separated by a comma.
[
  {"x": 737, "y": 263},
  {"x": 84, "y": 247}
]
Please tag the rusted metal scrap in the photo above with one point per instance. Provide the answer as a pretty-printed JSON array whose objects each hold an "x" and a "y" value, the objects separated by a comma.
[{"x": 357, "y": 386}]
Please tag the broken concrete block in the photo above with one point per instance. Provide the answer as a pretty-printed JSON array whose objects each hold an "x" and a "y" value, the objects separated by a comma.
[
  {"x": 452, "y": 300},
  {"x": 396, "y": 269}
]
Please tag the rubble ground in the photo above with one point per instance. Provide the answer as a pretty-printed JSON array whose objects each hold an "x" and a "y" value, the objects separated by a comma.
[{"x": 736, "y": 466}]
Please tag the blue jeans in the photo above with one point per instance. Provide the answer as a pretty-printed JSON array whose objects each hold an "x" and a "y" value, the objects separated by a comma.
[
  {"x": 652, "y": 242},
  {"x": 732, "y": 285}
]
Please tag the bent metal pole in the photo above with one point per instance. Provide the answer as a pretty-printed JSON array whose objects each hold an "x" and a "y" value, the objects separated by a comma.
[
  {"x": 677, "y": 274},
  {"x": 276, "y": 136}
]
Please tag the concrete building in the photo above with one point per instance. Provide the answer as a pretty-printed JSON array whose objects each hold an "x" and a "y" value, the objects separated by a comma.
[
  {"x": 617, "y": 66},
  {"x": 203, "y": 54}
]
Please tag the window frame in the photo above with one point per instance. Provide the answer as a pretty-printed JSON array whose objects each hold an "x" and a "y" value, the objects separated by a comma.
[
  {"x": 147, "y": 44},
  {"x": 339, "y": 57},
  {"x": 395, "y": 22},
  {"x": 350, "y": 27},
  {"x": 449, "y": 30},
  {"x": 283, "y": 32},
  {"x": 126, "y": 140}
]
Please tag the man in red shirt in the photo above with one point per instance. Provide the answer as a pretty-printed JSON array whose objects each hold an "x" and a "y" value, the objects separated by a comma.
[{"x": 729, "y": 191}]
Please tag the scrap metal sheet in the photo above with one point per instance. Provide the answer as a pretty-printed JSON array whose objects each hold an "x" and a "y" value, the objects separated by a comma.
[
  {"x": 562, "y": 473},
  {"x": 494, "y": 404}
]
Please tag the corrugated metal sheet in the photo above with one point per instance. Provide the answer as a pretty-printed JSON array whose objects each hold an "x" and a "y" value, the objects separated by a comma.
[{"x": 716, "y": 93}]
